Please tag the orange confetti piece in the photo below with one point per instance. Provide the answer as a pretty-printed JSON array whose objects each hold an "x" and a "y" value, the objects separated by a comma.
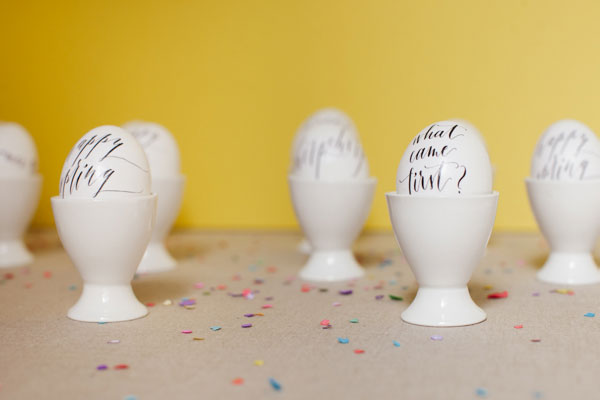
[
  {"x": 359, "y": 351},
  {"x": 238, "y": 381}
]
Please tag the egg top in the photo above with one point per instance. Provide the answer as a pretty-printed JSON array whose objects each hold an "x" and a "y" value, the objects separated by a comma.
[
  {"x": 567, "y": 151},
  {"x": 160, "y": 147},
  {"x": 107, "y": 162},
  {"x": 445, "y": 159},
  {"x": 471, "y": 127},
  {"x": 329, "y": 151},
  {"x": 18, "y": 155}
]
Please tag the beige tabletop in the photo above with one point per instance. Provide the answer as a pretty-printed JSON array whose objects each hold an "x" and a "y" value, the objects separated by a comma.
[{"x": 45, "y": 355}]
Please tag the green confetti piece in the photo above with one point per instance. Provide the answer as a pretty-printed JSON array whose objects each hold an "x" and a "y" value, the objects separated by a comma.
[{"x": 396, "y": 298}]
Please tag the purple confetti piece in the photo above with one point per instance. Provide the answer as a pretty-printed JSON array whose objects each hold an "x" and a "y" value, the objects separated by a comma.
[
  {"x": 247, "y": 326},
  {"x": 437, "y": 337},
  {"x": 102, "y": 367},
  {"x": 379, "y": 297},
  {"x": 248, "y": 315},
  {"x": 346, "y": 292}
]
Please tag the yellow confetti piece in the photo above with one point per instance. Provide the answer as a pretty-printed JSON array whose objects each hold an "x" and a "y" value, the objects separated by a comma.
[
  {"x": 259, "y": 363},
  {"x": 190, "y": 307},
  {"x": 488, "y": 287},
  {"x": 562, "y": 291},
  {"x": 167, "y": 302},
  {"x": 198, "y": 338}
]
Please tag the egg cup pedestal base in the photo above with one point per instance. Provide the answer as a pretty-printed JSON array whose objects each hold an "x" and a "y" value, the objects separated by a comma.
[
  {"x": 304, "y": 247},
  {"x": 569, "y": 269},
  {"x": 107, "y": 303},
  {"x": 331, "y": 266},
  {"x": 156, "y": 259},
  {"x": 443, "y": 307},
  {"x": 13, "y": 253}
]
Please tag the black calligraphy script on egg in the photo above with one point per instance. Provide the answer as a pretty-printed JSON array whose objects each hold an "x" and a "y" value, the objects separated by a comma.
[
  {"x": 84, "y": 171},
  {"x": 311, "y": 152},
  {"x": 563, "y": 156},
  {"x": 436, "y": 173},
  {"x": 18, "y": 161},
  {"x": 145, "y": 136}
]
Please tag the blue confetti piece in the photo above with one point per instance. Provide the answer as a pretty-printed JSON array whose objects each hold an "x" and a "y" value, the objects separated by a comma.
[
  {"x": 396, "y": 343},
  {"x": 73, "y": 287},
  {"x": 276, "y": 385},
  {"x": 590, "y": 314},
  {"x": 343, "y": 340},
  {"x": 130, "y": 397},
  {"x": 481, "y": 392},
  {"x": 215, "y": 328}
]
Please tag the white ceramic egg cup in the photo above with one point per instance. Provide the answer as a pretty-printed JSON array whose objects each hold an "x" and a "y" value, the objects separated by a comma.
[
  {"x": 170, "y": 192},
  {"x": 304, "y": 246},
  {"x": 568, "y": 214},
  {"x": 443, "y": 240},
  {"x": 331, "y": 215},
  {"x": 106, "y": 240},
  {"x": 19, "y": 197}
]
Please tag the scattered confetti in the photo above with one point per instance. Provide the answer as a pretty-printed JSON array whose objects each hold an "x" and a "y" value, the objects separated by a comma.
[
  {"x": 9, "y": 275},
  {"x": 271, "y": 269},
  {"x": 590, "y": 314},
  {"x": 536, "y": 340},
  {"x": 325, "y": 322},
  {"x": 121, "y": 366},
  {"x": 274, "y": 384},
  {"x": 498, "y": 295},
  {"x": 186, "y": 332},
  {"x": 359, "y": 351},
  {"x": 481, "y": 392},
  {"x": 437, "y": 337},
  {"x": 488, "y": 287},
  {"x": 267, "y": 306},
  {"x": 259, "y": 363},
  {"x": 222, "y": 287},
  {"x": 336, "y": 304},
  {"x": 343, "y": 340},
  {"x": 323, "y": 290},
  {"x": 114, "y": 341},
  {"x": 305, "y": 288},
  {"x": 102, "y": 367},
  {"x": 246, "y": 325},
  {"x": 215, "y": 328},
  {"x": 563, "y": 291},
  {"x": 238, "y": 381},
  {"x": 198, "y": 338},
  {"x": 248, "y": 315},
  {"x": 379, "y": 297},
  {"x": 199, "y": 285},
  {"x": 396, "y": 343},
  {"x": 518, "y": 326},
  {"x": 354, "y": 320},
  {"x": 187, "y": 302},
  {"x": 130, "y": 397},
  {"x": 345, "y": 292},
  {"x": 73, "y": 287},
  {"x": 397, "y": 298},
  {"x": 167, "y": 302},
  {"x": 535, "y": 294},
  {"x": 47, "y": 274}
]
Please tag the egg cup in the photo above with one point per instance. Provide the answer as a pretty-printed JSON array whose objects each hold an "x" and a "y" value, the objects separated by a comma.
[
  {"x": 331, "y": 214},
  {"x": 170, "y": 192},
  {"x": 568, "y": 214},
  {"x": 304, "y": 246},
  {"x": 106, "y": 240},
  {"x": 19, "y": 197},
  {"x": 443, "y": 240}
]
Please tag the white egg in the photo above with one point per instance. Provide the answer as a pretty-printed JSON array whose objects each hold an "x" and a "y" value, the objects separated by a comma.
[
  {"x": 445, "y": 159},
  {"x": 329, "y": 151},
  {"x": 160, "y": 147},
  {"x": 567, "y": 151},
  {"x": 107, "y": 162},
  {"x": 18, "y": 155}
]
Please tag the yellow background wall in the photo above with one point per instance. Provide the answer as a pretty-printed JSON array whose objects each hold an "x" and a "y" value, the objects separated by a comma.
[{"x": 233, "y": 80}]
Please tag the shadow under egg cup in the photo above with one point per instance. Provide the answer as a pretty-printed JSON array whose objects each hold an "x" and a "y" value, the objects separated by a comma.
[
  {"x": 331, "y": 215},
  {"x": 170, "y": 192},
  {"x": 105, "y": 240},
  {"x": 443, "y": 240},
  {"x": 568, "y": 214},
  {"x": 19, "y": 197}
]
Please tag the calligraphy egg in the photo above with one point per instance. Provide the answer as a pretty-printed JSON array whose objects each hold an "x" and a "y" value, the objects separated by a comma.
[
  {"x": 107, "y": 162},
  {"x": 330, "y": 151},
  {"x": 18, "y": 155},
  {"x": 567, "y": 151},
  {"x": 160, "y": 147},
  {"x": 445, "y": 159}
]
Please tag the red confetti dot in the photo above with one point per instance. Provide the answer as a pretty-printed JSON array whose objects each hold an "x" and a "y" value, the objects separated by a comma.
[
  {"x": 238, "y": 381},
  {"x": 498, "y": 295},
  {"x": 47, "y": 274},
  {"x": 267, "y": 306},
  {"x": 359, "y": 351},
  {"x": 325, "y": 322},
  {"x": 222, "y": 287},
  {"x": 186, "y": 332},
  {"x": 305, "y": 288},
  {"x": 150, "y": 304},
  {"x": 9, "y": 275},
  {"x": 121, "y": 366},
  {"x": 272, "y": 269},
  {"x": 518, "y": 326}
]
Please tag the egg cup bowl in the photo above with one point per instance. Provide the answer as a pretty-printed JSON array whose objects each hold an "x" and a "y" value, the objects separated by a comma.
[
  {"x": 19, "y": 197},
  {"x": 331, "y": 214},
  {"x": 106, "y": 240},
  {"x": 170, "y": 192},
  {"x": 443, "y": 240},
  {"x": 568, "y": 214}
]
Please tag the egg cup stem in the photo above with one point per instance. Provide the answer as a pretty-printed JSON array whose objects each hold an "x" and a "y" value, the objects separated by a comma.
[
  {"x": 569, "y": 268},
  {"x": 331, "y": 265},
  {"x": 13, "y": 253},
  {"x": 107, "y": 303}
]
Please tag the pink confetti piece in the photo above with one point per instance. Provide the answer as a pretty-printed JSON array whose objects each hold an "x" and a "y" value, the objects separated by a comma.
[
  {"x": 325, "y": 322},
  {"x": 336, "y": 304},
  {"x": 186, "y": 332},
  {"x": 47, "y": 274},
  {"x": 518, "y": 326},
  {"x": 498, "y": 295},
  {"x": 267, "y": 306},
  {"x": 359, "y": 351},
  {"x": 199, "y": 285}
]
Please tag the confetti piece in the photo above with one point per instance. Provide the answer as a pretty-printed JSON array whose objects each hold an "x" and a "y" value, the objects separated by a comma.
[
  {"x": 9, "y": 275},
  {"x": 437, "y": 337},
  {"x": 267, "y": 306},
  {"x": 130, "y": 397},
  {"x": 186, "y": 332},
  {"x": 73, "y": 287},
  {"x": 481, "y": 392},
  {"x": 518, "y": 326},
  {"x": 199, "y": 285},
  {"x": 189, "y": 307},
  {"x": 238, "y": 381},
  {"x": 488, "y": 287},
  {"x": 167, "y": 302},
  {"x": 198, "y": 338},
  {"x": 325, "y": 322},
  {"x": 259, "y": 314},
  {"x": 121, "y": 366},
  {"x": 343, "y": 340},
  {"x": 271, "y": 269},
  {"x": 187, "y": 302},
  {"x": 47, "y": 274},
  {"x": 498, "y": 295},
  {"x": 102, "y": 367},
  {"x": 259, "y": 363},
  {"x": 345, "y": 292},
  {"x": 379, "y": 297},
  {"x": 323, "y": 290},
  {"x": 563, "y": 291},
  {"x": 248, "y": 315},
  {"x": 396, "y": 298},
  {"x": 28, "y": 285},
  {"x": 336, "y": 304},
  {"x": 535, "y": 294},
  {"x": 354, "y": 320},
  {"x": 359, "y": 351},
  {"x": 215, "y": 328},
  {"x": 590, "y": 314},
  {"x": 150, "y": 304},
  {"x": 222, "y": 287},
  {"x": 246, "y": 325},
  {"x": 396, "y": 343},
  {"x": 114, "y": 341},
  {"x": 101, "y": 322},
  {"x": 274, "y": 384},
  {"x": 305, "y": 288},
  {"x": 536, "y": 340}
]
